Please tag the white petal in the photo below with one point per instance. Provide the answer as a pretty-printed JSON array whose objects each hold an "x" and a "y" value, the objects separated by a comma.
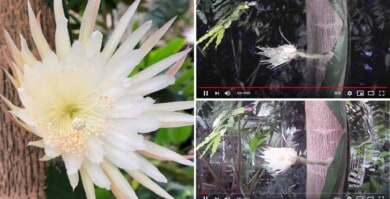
[
  {"x": 130, "y": 107},
  {"x": 87, "y": 184},
  {"x": 171, "y": 119},
  {"x": 173, "y": 106},
  {"x": 123, "y": 159},
  {"x": 119, "y": 30},
  {"x": 152, "y": 85},
  {"x": 88, "y": 20},
  {"x": 74, "y": 180},
  {"x": 17, "y": 55},
  {"x": 151, "y": 170},
  {"x": 152, "y": 40},
  {"x": 148, "y": 183},
  {"x": 166, "y": 153},
  {"x": 95, "y": 152},
  {"x": 28, "y": 57},
  {"x": 38, "y": 143},
  {"x": 140, "y": 124},
  {"x": 94, "y": 43},
  {"x": 72, "y": 162},
  {"x": 120, "y": 68},
  {"x": 97, "y": 175},
  {"x": 36, "y": 33},
  {"x": 62, "y": 35},
  {"x": 118, "y": 180},
  {"x": 125, "y": 140},
  {"x": 133, "y": 39},
  {"x": 156, "y": 68},
  {"x": 51, "y": 152}
]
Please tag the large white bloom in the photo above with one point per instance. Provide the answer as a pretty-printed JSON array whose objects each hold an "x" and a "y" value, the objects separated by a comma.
[
  {"x": 82, "y": 104},
  {"x": 278, "y": 160}
]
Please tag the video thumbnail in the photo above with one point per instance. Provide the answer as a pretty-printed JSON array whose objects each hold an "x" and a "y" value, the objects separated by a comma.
[
  {"x": 293, "y": 149},
  {"x": 293, "y": 49}
]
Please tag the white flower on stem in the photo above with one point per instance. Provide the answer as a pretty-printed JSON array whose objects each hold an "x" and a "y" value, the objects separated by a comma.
[
  {"x": 278, "y": 56},
  {"x": 278, "y": 160},
  {"x": 80, "y": 101}
]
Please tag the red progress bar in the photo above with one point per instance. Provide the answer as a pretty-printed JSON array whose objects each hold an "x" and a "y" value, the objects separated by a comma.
[{"x": 293, "y": 87}]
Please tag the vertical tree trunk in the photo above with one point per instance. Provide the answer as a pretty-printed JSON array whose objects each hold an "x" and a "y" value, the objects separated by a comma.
[
  {"x": 22, "y": 175},
  {"x": 323, "y": 133},
  {"x": 323, "y": 29}
]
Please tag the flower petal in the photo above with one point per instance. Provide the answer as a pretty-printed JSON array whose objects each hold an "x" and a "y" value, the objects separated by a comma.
[
  {"x": 37, "y": 34},
  {"x": 133, "y": 39},
  {"x": 160, "y": 151},
  {"x": 62, "y": 35},
  {"x": 125, "y": 140},
  {"x": 72, "y": 162},
  {"x": 88, "y": 20},
  {"x": 156, "y": 68},
  {"x": 95, "y": 172},
  {"x": 87, "y": 184},
  {"x": 130, "y": 107},
  {"x": 74, "y": 180},
  {"x": 152, "y": 85},
  {"x": 151, "y": 170},
  {"x": 123, "y": 159},
  {"x": 95, "y": 150},
  {"x": 119, "y": 182},
  {"x": 144, "y": 180},
  {"x": 94, "y": 43},
  {"x": 173, "y": 106},
  {"x": 140, "y": 124},
  {"x": 119, "y": 30},
  {"x": 171, "y": 119},
  {"x": 153, "y": 39}
]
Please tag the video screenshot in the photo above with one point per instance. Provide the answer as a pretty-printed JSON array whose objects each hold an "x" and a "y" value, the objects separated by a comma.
[
  {"x": 293, "y": 49},
  {"x": 292, "y": 149}
]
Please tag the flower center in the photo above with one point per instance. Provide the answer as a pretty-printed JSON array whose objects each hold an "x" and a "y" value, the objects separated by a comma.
[{"x": 69, "y": 123}]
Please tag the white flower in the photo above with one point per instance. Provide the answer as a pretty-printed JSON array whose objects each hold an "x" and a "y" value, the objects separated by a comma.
[
  {"x": 278, "y": 56},
  {"x": 81, "y": 103},
  {"x": 278, "y": 160}
]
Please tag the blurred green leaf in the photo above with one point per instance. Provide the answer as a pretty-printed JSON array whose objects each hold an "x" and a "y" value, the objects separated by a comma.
[
  {"x": 163, "y": 10},
  {"x": 176, "y": 136}
]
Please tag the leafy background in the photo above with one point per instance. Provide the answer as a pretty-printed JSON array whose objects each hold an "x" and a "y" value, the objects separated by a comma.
[{"x": 180, "y": 178}]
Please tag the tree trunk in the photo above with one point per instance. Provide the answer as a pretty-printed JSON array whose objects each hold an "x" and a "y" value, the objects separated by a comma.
[
  {"x": 22, "y": 175},
  {"x": 323, "y": 133},
  {"x": 323, "y": 29}
]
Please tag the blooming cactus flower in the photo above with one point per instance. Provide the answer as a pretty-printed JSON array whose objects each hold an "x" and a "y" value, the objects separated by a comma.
[
  {"x": 80, "y": 101},
  {"x": 278, "y": 56},
  {"x": 278, "y": 160}
]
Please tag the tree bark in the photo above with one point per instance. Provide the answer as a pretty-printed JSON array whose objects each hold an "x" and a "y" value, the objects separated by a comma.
[
  {"x": 22, "y": 175},
  {"x": 323, "y": 133},
  {"x": 323, "y": 29}
]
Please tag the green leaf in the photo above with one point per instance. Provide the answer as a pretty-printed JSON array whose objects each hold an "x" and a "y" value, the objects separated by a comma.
[
  {"x": 337, "y": 109},
  {"x": 57, "y": 182},
  {"x": 176, "y": 136},
  {"x": 338, "y": 62},
  {"x": 336, "y": 169}
]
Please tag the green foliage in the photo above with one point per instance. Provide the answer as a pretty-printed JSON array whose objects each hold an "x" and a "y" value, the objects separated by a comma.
[
  {"x": 57, "y": 182},
  {"x": 338, "y": 62},
  {"x": 175, "y": 136},
  {"x": 336, "y": 169},
  {"x": 218, "y": 31},
  {"x": 224, "y": 121},
  {"x": 257, "y": 141},
  {"x": 337, "y": 108},
  {"x": 163, "y": 10}
]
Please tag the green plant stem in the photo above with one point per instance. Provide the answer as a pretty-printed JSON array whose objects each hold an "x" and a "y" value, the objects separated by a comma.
[
  {"x": 217, "y": 180},
  {"x": 319, "y": 162}
]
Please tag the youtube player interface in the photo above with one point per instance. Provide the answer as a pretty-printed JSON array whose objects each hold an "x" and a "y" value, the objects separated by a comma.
[
  {"x": 292, "y": 149},
  {"x": 287, "y": 49}
]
